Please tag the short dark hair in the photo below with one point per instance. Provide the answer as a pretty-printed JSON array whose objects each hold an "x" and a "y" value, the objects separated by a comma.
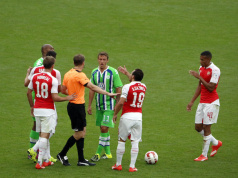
[
  {"x": 48, "y": 62},
  {"x": 51, "y": 53},
  {"x": 103, "y": 53},
  {"x": 138, "y": 73},
  {"x": 208, "y": 54},
  {"x": 79, "y": 59},
  {"x": 44, "y": 47}
]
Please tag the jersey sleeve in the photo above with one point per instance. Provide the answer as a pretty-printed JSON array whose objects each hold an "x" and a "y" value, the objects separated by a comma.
[
  {"x": 92, "y": 79},
  {"x": 54, "y": 88},
  {"x": 58, "y": 77},
  {"x": 82, "y": 78},
  {"x": 31, "y": 73},
  {"x": 125, "y": 90},
  {"x": 215, "y": 76},
  {"x": 30, "y": 85},
  {"x": 38, "y": 63},
  {"x": 116, "y": 79}
]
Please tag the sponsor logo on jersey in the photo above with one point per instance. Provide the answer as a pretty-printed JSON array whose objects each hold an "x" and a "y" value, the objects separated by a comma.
[{"x": 101, "y": 85}]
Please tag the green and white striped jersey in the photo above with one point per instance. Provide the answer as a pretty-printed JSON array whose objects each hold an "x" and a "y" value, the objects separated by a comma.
[{"x": 109, "y": 80}]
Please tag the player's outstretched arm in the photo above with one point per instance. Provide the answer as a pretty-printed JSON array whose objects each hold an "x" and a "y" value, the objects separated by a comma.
[
  {"x": 99, "y": 90},
  {"x": 57, "y": 98},
  {"x": 124, "y": 71},
  {"x": 64, "y": 90}
]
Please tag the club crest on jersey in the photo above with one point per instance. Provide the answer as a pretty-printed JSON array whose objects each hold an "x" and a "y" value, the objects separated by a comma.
[
  {"x": 208, "y": 73},
  {"x": 108, "y": 76},
  {"x": 101, "y": 85}
]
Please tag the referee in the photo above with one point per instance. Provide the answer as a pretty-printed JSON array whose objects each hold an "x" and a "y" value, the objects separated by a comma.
[{"x": 75, "y": 81}]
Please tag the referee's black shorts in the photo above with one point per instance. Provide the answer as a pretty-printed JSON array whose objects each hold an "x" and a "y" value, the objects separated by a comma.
[{"x": 77, "y": 116}]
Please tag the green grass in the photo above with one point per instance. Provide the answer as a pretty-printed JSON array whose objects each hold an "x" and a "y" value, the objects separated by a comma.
[{"x": 164, "y": 39}]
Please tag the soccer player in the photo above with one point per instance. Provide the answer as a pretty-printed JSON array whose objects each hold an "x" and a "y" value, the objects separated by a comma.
[
  {"x": 45, "y": 87},
  {"x": 44, "y": 50},
  {"x": 34, "y": 136},
  {"x": 75, "y": 81},
  {"x": 108, "y": 79},
  {"x": 208, "y": 108},
  {"x": 32, "y": 152},
  {"x": 130, "y": 125}
]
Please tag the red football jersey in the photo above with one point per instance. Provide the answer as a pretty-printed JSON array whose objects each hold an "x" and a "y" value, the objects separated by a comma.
[
  {"x": 209, "y": 74},
  {"x": 134, "y": 94},
  {"x": 43, "y": 85},
  {"x": 55, "y": 73}
]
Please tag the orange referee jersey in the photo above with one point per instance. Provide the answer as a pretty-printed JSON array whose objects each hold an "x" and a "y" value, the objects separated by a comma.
[{"x": 74, "y": 80}]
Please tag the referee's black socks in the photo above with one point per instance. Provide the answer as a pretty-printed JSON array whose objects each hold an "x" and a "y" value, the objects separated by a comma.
[
  {"x": 71, "y": 141},
  {"x": 80, "y": 146}
]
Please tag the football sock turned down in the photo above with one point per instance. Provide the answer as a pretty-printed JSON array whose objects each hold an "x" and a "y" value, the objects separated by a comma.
[
  {"x": 107, "y": 144},
  {"x": 120, "y": 152},
  {"x": 102, "y": 142},
  {"x": 34, "y": 136},
  {"x": 71, "y": 141},
  {"x": 134, "y": 153}
]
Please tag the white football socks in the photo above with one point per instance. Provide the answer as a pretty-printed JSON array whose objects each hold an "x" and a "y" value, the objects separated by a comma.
[
  {"x": 134, "y": 153},
  {"x": 36, "y": 146},
  {"x": 120, "y": 152},
  {"x": 206, "y": 144},
  {"x": 214, "y": 140},
  {"x": 48, "y": 150},
  {"x": 42, "y": 149}
]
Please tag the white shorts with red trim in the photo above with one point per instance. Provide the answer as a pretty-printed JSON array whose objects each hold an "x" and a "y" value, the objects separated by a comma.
[
  {"x": 206, "y": 113},
  {"x": 129, "y": 127},
  {"x": 46, "y": 124}
]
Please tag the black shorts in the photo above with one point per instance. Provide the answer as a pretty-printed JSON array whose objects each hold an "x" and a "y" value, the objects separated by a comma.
[{"x": 77, "y": 116}]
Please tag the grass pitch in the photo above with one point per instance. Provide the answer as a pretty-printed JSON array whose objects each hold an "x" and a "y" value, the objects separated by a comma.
[{"x": 164, "y": 39}]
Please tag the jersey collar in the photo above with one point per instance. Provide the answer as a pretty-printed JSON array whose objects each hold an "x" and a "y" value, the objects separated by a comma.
[
  {"x": 209, "y": 66},
  {"x": 103, "y": 71},
  {"x": 136, "y": 82}
]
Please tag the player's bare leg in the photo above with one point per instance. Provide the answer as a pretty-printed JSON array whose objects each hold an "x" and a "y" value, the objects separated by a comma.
[{"x": 199, "y": 129}]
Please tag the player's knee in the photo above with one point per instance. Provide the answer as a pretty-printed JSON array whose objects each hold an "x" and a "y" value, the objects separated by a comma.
[
  {"x": 104, "y": 129},
  {"x": 198, "y": 128}
]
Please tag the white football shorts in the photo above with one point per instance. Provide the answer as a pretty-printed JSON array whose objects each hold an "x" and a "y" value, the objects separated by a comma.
[
  {"x": 206, "y": 113},
  {"x": 130, "y": 127},
  {"x": 46, "y": 124}
]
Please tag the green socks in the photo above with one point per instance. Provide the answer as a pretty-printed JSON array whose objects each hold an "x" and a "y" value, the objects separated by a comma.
[
  {"x": 34, "y": 136},
  {"x": 107, "y": 145}
]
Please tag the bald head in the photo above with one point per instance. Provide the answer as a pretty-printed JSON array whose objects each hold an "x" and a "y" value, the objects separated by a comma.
[{"x": 46, "y": 48}]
